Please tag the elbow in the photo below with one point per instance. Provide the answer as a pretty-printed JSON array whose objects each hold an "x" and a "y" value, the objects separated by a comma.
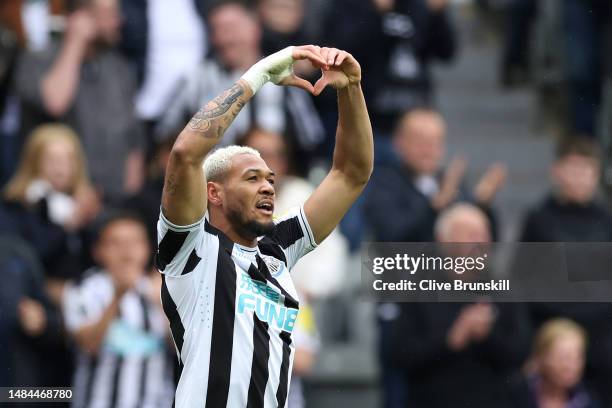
[
  {"x": 182, "y": 154},
  {"x": 356, "y": 174},
  {"x": 54, "y": 107}
]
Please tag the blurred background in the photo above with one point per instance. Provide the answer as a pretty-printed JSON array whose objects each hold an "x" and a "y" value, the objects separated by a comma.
[{"x": 492, "y": 122}]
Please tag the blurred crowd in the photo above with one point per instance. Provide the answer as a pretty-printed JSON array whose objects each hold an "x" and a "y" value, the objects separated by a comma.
[{"x": 93, "y": 93}]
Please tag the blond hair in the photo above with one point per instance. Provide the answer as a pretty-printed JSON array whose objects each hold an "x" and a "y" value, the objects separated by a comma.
[
  {"x": 554, "y": 329},
  {"x": 219, "y": 162},
  {"x": 31, "y": 156}
]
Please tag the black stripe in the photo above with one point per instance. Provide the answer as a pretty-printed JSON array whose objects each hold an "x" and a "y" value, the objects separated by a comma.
[
  {"x": 269, "y": 247},
  {"x": 115, "y": 387},
  {"x": 93, "y": 367},
  {"x": 263, "y": 268},
  {"x": 192, "y": 262},
  {"x": 144, "y": 371},
  {"x": 176, "y": 326},
  {"x": 259, "y": 366},
  {"x": 287, "y": 232},
  {"x": 146, "y": 326},
  {"x": 283, "y": 385},
  {"x": 223, "y": 326},
  {"x": 169, "y": 246},
  {"x": 146, "y": 323}
]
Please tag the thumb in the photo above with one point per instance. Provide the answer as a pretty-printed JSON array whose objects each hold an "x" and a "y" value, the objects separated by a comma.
[
  {"x": 298, "y": 82},
  {"x": 320, "y": 85}
]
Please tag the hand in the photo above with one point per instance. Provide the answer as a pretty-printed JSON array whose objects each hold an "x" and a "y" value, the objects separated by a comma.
[
  {"x": 450, "y": 184},
  {"x": 341, "y": 71},
  {"x": 490, "y": 183},
  {"x": 32, "y": 317},
  {"x": 481, "y": 319},
  {"x": 458, "y": 335},
  {"x": 88, "y": 205},
  {"x": 81, "y": 27},
  {"x": 278, "y": 68}
]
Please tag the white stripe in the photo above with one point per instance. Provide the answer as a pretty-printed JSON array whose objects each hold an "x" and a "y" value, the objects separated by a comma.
[
  {"x": 129, "y": 382},
  {"x": 242, "y": 353},
  {"x": 103, "y": 381}
]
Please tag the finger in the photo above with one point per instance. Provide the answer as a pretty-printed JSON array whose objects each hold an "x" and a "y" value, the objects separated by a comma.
[
  {"x": 314, "y": 48},
  {"x": 316, "y": 59},
  {"x": 342, "y": 56},
  {"x": 320, "y": 85},
  {"x": 299, "y": 83},
  {"x": 325, "y": 52},
  {"x": 331, "y": 56}
]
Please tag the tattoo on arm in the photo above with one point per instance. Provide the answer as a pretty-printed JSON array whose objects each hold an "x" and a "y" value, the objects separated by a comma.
[
  {"x": 170, "y": 185},
  {"x": 213, "y": 115}
]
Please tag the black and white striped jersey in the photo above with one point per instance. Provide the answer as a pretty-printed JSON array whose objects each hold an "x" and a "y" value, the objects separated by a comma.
[
  {"x": 232, "y": 310},
  {"x": 132, "y": 368}
]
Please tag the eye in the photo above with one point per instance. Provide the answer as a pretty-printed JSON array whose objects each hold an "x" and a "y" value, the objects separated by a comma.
[
  {"x": 252, "y": 178},
  {"x": 271, "y": 181}
]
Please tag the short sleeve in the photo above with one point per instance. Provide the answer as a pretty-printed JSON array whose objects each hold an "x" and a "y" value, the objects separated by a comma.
[
  {"x": 177, "y": 245},
  {"x": 292, "y": 232}
]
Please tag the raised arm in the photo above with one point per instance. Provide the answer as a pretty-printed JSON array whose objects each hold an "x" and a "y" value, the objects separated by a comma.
[
  {"x": 184, "y": 194},
  {"x": 354, "y": 151}
]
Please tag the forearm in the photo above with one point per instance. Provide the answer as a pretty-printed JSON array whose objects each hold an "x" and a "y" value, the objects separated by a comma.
[
  {"x": 90, "y": 338},
  {"x": 208, "y": 125},
  {"x": 60, "y": 84},
  {"x": 354, "y": 151}
]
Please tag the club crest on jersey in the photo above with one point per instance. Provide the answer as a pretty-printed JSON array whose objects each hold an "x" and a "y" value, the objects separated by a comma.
[{"x": 274, "y": 265}]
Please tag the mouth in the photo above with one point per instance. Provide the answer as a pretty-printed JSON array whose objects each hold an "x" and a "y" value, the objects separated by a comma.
[{"x": 265, "y": 206}]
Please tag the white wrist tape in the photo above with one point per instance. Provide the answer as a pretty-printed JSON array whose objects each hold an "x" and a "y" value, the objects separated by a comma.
[{"x": 274, "y": 68}]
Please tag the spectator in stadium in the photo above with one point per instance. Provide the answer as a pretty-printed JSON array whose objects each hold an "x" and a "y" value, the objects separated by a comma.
[
  {"x": 87, "y": 83},
  {"x": 235, "y": 38},
  {"x": 409, "y": 35},
  {"x": 405, "y": 198},
  {"x": 162, "y": 49},
  {"x": 571, "y": 213},
  {"x": 49, "y": 201},
  {"x": 282, "y": 23},
  {"x": 467, "y": 350},
  {"x": 115, "y": 317},
  {"x": 554, "y": 375},
  {"x": 584, "y": 23},
  {"x": 30, "y": 327}
]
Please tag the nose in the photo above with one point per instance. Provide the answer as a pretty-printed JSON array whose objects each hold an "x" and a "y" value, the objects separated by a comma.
[{"x": 267, "y": 188}]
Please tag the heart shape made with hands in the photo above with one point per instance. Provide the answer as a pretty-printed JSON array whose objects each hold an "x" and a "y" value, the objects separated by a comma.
[{"x": 336, "y": 67}]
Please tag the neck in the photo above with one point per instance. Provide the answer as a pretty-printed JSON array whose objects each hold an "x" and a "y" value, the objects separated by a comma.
[
  {"x": 239, "y": 237},
  {"x": 552, "y": 392}
]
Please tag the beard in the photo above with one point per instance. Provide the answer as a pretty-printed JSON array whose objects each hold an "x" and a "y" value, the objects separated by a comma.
[{"x": 249, "y": 229}]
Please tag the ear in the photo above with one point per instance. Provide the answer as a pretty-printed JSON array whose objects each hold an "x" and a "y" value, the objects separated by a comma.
[{"x": 214, "y": 193}]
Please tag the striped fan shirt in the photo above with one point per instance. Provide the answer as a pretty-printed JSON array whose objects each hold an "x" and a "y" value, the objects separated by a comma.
[
  {"x": 232, "y": 310},
  {"x": 132, "y": 368}
]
